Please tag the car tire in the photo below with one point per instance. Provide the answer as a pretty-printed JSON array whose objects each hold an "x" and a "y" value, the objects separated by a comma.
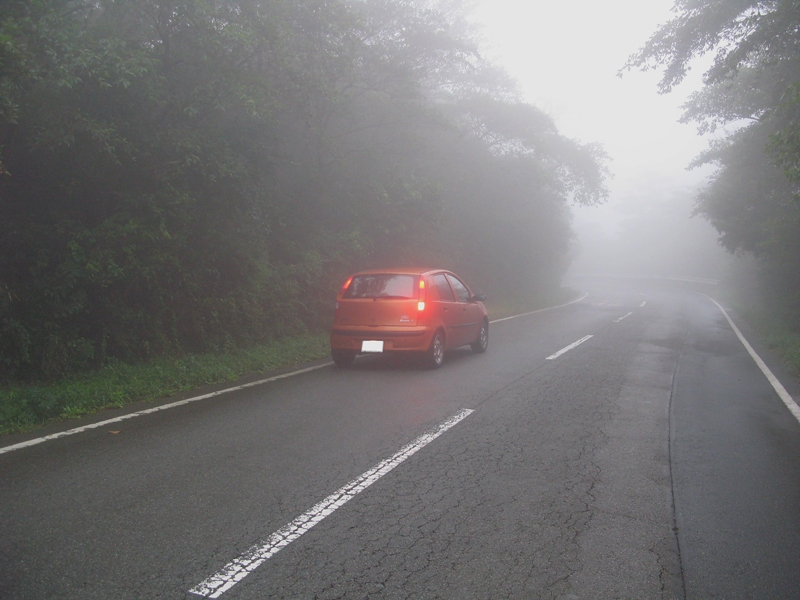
[
  {"x": 435, "y": 355},
  {"x": 482, "y": 343},
  {"x": 343, "y": 358}
]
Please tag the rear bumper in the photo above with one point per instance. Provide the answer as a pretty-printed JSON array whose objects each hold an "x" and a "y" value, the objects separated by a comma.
[{"x": 395, "y": 339}]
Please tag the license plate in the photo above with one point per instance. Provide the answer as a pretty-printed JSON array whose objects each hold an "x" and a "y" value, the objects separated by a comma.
[{"x": 372, "y": 346}]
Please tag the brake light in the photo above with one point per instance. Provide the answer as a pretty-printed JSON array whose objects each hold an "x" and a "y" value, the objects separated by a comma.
[
  {"x": 422, "y": 295},
  {"x": 346, "y": 285}
]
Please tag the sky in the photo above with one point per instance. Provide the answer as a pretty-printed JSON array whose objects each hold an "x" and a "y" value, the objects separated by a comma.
[{"x": 566, "y": 57}]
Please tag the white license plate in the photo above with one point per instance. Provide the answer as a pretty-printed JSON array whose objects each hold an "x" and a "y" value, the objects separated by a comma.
[{"x": 372, "y": 346}]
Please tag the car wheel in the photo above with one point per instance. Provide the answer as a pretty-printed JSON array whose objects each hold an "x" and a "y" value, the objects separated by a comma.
[
  {"x": 482, "y": 343},
  {"x": 435, "y": 354},
  {"x": 343, "y": 358}
]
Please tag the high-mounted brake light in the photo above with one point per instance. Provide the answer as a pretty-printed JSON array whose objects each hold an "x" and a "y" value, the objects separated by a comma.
[
  {"x": 421, "y": 303},
  {"x": 346, "y": 285}
]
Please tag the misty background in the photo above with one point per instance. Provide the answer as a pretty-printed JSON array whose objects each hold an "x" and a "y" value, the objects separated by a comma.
[
  {"x": 568, "y": 59},
  {"x": 189, "y": 176}
]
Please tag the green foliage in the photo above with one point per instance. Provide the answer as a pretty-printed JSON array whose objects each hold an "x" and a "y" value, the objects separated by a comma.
[
  {"x": 745, "y": 33},
  {"x": 190, "y": 176},
  {"x": 116, "y": 384},
  {"x": 780, "y": 335},
  {"x": 752, "y": 87}
]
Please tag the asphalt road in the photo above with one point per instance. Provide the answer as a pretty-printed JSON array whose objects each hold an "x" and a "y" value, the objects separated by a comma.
[{"x": 653, "y": 460}]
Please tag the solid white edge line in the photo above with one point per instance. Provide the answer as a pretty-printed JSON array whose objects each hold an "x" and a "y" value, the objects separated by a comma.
[
  {"x": 568, "y": 348},
  {"x": 241, "y": 567},
  {"x": 140, "y": 413},
  {"x": 623, "y": 317},
  {"x": 777, "y": 385},
  {"x": 533, "y": 312}
]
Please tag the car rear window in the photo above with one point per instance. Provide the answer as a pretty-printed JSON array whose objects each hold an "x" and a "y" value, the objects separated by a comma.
[{"x": 382, "y": 285}]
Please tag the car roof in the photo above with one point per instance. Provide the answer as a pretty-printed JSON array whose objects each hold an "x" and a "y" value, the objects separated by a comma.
[{"x": 401, "y": 271}]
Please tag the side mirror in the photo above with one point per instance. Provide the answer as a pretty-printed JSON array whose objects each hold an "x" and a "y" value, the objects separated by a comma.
[{"x": 478, "y": 298}]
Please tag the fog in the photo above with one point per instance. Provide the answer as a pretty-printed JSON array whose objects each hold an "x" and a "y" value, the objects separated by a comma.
[
  {"x": 567, "y": 59},
  {"x": 653, "y": 236},
  {"x": 223, "y": 203}
]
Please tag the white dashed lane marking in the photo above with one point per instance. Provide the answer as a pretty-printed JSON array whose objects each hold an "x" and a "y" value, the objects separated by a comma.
[{"x": 241, "y": 567}]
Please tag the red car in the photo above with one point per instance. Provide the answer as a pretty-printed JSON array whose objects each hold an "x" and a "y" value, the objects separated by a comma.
[{"x": 407, "y": 310}]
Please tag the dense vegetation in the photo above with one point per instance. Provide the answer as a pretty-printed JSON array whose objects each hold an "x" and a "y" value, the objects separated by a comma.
[
  {"x": 27, "y": 406},
  {"x": 190, "y": 175},
  {"x": 116, "y": 384},
  {"x": 752, "y": 89}
]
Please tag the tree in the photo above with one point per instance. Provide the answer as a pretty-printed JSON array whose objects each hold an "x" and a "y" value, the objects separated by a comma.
[
  {"x": 196, "y": 174},
  {"x": 751, "y": 87}
]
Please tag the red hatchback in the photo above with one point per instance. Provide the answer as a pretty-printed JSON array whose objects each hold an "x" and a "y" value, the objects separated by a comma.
[{"x": 407, "y": 310}]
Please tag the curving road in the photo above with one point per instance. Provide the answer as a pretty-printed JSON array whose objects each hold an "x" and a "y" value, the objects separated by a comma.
[{"x": 651, "y": 460}]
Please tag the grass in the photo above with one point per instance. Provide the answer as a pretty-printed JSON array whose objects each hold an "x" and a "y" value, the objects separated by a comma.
[
  {"x": 780, "y": 338},
  {"x": 787, "y": 344},
  {"x": 27, "y": 407},
  {"x": 23, "y": 408}
]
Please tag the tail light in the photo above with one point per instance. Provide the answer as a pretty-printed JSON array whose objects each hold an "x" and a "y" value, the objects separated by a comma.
[
  {"x": 343, "y": 290},
  {"x": 345, "y": 286},
  {"x": 422, "y": 295}
]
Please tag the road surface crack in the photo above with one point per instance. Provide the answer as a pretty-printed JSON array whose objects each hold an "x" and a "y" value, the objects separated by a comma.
[{"x": 673, "y": 387}]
